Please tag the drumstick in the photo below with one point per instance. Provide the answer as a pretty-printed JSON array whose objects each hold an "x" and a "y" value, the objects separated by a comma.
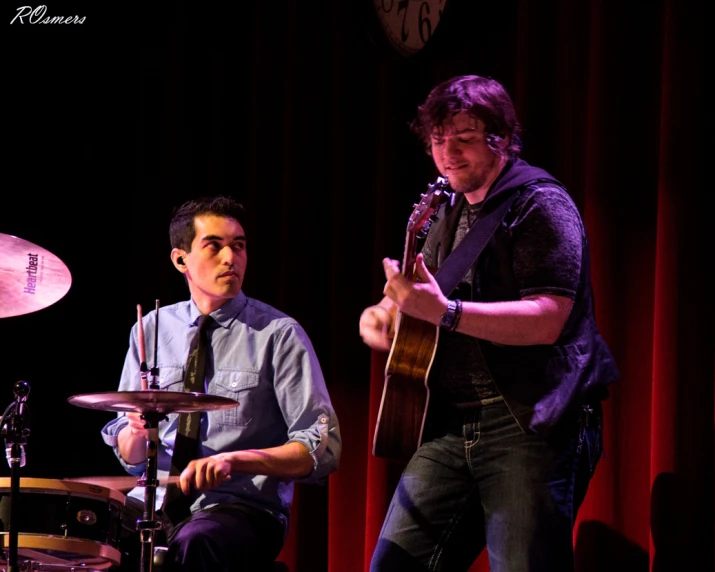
[
  {"x": 143, "y": 368},
  {"x": 170, "y": 480},
  {"x": 122, "y": 483}
]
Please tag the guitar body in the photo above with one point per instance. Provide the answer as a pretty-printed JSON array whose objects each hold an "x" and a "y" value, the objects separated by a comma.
[{"x": 405, "y": 395}]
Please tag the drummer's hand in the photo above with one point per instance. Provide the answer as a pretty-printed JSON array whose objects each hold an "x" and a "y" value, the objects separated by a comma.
[
  {"x": 206, "y": 473},
  {"x": 136, "y": 424}
]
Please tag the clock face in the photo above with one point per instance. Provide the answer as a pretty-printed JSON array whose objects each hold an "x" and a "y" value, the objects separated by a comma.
[{"x": 409, "y": 24}]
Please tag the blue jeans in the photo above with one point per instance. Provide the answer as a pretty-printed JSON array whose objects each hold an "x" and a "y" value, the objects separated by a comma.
[{"x": 480, "y": 481}]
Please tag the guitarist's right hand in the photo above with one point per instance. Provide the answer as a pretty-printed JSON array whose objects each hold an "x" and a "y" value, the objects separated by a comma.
[
  {"x": 418, "y": 296},
  {"x": 376, "y": 326}
]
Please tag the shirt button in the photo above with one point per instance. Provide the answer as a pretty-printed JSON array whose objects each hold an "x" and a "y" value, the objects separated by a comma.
[
  {"x": 234, "y": 383},
  {"x": 323, "y": 419}
]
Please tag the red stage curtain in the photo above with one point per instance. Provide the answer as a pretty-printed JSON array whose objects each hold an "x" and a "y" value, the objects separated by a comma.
[{"x": 611, "y": 94}]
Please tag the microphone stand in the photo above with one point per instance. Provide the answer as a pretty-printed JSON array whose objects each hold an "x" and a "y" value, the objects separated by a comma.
[{"x": 16, "y": 434}]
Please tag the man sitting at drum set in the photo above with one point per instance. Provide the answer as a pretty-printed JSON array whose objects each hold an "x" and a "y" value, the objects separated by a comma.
[{"x": 280, "y": 426}]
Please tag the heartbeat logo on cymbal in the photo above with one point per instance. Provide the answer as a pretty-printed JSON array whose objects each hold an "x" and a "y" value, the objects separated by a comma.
[{"x": 32, "y": 266}]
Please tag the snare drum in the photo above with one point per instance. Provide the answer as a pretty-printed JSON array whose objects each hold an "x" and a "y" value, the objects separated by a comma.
[{"x": 63, "y": 523}]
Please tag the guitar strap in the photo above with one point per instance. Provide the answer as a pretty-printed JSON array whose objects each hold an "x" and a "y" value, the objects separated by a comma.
[{"x": 455, "y": 266}]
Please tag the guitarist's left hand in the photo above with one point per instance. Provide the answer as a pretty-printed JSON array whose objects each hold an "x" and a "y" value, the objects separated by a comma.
[{"x": 422, "y": 299}]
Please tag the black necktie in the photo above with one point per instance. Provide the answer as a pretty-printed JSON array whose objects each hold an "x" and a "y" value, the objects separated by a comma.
[{"x": 186, "y": 445}]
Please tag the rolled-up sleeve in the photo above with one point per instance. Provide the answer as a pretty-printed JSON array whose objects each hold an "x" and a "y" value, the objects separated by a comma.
[
  {"x": 303, "y": 397},
  {"x": 109, "y": 436}
]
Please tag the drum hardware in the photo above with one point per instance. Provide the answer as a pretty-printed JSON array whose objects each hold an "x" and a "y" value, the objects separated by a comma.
[
  {"x": 12, "y": 427},
  {"x": 148, "y": 525},
  {"x": 153, "y": 401},
  {"x": 31, "y": 278},
  {"x": 68, "y": 526},
  {"x": 154, "y": 405}
]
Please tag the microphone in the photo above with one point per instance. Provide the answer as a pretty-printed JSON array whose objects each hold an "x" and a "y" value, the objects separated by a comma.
[{"x": 21, "y": 391}]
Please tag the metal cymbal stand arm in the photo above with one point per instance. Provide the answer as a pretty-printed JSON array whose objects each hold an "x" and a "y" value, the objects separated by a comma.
[{"x": 148, "y": 525}]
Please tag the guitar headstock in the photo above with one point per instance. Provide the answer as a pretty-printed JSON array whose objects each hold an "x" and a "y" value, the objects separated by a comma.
[{"x": 425, "y": 211}]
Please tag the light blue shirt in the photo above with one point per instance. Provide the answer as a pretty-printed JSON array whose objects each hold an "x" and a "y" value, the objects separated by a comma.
[{"x": 265, "y": 361}]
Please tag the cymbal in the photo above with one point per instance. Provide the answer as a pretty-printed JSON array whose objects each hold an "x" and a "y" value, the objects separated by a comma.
[
  {"x": 153, "y": 401},
  {"x": 31, "y": 278}
]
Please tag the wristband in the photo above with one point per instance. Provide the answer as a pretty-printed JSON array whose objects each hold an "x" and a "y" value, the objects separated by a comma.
[{"x": 450, "y": 319}]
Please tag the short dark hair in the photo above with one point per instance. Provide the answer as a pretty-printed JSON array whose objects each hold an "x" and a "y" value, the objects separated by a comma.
[
  {"x": 182, "y": 229},
  {"x": 483, "y": 98}
]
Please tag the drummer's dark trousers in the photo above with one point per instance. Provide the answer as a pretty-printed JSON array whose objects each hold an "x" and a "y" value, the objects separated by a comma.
[{"x": 228, "y": 538}]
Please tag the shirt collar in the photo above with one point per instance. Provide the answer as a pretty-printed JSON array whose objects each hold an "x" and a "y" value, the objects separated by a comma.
[{"x": 225, "y": 314}]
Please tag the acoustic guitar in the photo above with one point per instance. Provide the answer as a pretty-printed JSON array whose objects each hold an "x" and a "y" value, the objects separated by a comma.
[{"x": 405, "y": 395}]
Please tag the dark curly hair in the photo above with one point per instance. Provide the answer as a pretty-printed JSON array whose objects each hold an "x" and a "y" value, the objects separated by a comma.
[
  {"x": 483, "y": 98},
  {"x": 182, "y": 230}
]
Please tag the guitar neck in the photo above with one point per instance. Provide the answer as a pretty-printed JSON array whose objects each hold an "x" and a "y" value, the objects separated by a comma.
[
  {"x": 408, "y": 258},
  {"x": 405, "y": 395}
]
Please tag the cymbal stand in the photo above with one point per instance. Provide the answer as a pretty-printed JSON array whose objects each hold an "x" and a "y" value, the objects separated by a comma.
[
  {"x": 149, "y": 524},
  {"x": 15, "y": 439}
]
